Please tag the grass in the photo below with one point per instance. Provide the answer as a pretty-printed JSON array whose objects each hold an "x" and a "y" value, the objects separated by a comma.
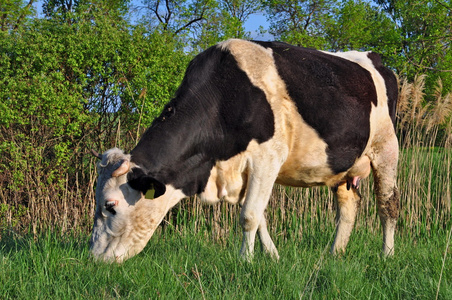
[
  {"x": 195, "y": 254},
  {"x": 192, "y": 266}
]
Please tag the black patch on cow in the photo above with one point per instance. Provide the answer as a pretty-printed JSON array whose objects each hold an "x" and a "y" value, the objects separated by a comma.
[
  {"x": 333, "y": 96},
  {"x": 140, "y": 181},
  {"x": 215, "y": 114}
]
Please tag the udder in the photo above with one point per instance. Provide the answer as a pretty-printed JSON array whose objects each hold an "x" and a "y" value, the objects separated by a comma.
[
  {"x": 360, "y": 170},
  {"x": 227, "y": 182}
]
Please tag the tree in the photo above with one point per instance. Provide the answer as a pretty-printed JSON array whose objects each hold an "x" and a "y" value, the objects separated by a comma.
[
  {"x": 67, "y": 10},
  {"x": 13, "y": 13},
  {"x": 301, "y": 22},
  {"x": 63, "y": 7},
  {"x": 360, "y": 26},
  {"x": 200, "y": 23},
  {"x": 177, "y": 16},
  {"x": 425, "y": 28},
  {"x": 69, "y": 87}
]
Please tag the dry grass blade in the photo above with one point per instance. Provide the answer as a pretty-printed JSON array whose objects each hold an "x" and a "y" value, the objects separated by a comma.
[
  {"x": 443, "y": 108},
  {"x": 444, "y": 261},
  {"x": 404, "y": 97}
]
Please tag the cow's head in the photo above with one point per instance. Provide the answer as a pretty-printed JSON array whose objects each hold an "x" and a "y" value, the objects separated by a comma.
[{"x": 125, "y": 220}]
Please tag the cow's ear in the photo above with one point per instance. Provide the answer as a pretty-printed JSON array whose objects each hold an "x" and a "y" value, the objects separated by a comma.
[
  {"x": 138, "y": 180},
  {"x": 159, "y": 188}
]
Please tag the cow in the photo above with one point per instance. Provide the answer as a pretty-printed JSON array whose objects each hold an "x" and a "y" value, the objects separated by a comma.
[{"x": 246, "y": 115}]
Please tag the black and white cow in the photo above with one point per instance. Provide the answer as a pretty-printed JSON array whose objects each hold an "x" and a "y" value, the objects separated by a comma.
[{"x": 249, "y": 114}]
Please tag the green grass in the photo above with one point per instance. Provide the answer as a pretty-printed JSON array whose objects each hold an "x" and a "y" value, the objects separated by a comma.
[
  {"x": 195, "y": 256},
  {"x": 192, "y": 266}
]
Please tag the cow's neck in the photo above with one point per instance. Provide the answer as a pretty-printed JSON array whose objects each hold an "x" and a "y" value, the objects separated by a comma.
[
  {"x": 215, "y": 114},
  {"x": 174, "y": 149}
]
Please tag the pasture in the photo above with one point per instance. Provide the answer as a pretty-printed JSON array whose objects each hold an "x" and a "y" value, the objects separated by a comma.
[{"x": 184, "y": 264}]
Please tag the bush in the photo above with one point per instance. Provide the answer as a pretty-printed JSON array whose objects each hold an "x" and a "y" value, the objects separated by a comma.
[{"x": 69, "y": 87}]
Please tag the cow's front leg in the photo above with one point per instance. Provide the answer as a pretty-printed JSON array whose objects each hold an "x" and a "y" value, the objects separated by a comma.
[
  {"x": 348, "y": 200},
  {"x": 250, "y": 218},
  {"x": 267, "y": 243},
  {"x": 260, "y": 183}
]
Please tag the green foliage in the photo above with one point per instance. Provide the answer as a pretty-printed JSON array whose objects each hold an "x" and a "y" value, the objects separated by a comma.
[
  {"x": 84, "y": 77},
  {"x": 359, "y": 26},
  {"x": 303, "y": 22},
  {"x": 65, "y": 85},
  {"x": 425, "y": 39},
  {"x": 63, "y": 10},
  {"x": 13, "y": 13}
]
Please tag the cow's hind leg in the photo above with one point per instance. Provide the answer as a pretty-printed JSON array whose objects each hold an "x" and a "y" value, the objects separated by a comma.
[
  {"x": 384, "y": 166},
  {"x": 348, "y": 200}
]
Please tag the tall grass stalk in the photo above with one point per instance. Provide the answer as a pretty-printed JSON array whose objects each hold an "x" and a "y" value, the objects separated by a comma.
[
  {"x": 444, "y": 262},
  {"x": 424, "y": 128}
]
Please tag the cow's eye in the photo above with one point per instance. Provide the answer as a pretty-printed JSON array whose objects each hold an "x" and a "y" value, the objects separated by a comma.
[{"x": 109, "y": 206}]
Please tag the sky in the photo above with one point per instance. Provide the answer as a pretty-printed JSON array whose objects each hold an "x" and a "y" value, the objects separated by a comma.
[{"x": 251, "y": 25}]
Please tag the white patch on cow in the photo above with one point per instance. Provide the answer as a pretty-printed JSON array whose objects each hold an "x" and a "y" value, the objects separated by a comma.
[
  {"x": 360, "y": 169},
  {"x": 124, "y": 233}
]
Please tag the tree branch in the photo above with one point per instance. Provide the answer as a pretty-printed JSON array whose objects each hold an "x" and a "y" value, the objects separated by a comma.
[
  {"x": 156, "y": 11},
  {"x": 444, "y": 5},
  {"x": 168, "y": 9},
  {"x": 427, "y": 68},
  {"x": 189, "y": 23},
  {"x": 22, "y": 16}
]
